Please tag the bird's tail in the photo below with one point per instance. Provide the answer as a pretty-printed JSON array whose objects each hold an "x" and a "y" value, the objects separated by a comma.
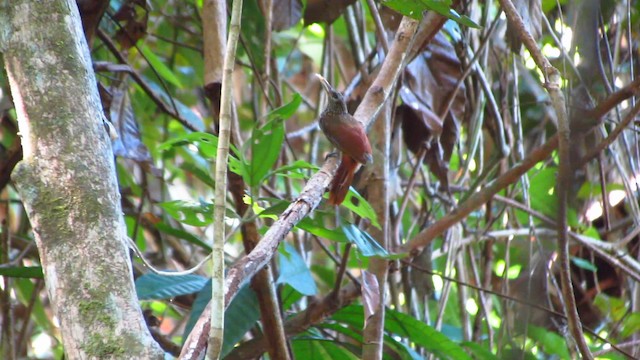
[{"x": 342, "y": 180}]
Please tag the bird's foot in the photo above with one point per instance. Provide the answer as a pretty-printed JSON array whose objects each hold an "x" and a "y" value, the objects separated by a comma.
[{"x": 335, "y": 154}]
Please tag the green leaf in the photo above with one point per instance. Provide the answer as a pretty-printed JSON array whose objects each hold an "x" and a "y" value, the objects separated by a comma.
[
  {"x": 320, "y": 349},
  {"x": 206, "y": 143},
  {"x": 551, "y": 342},
  {"x": 183, "y": 235},
  {"x": 407, "y": 326},
  {"x": 239, "y": 317},
  {"x": 318, "y": 228},
  {"x": 24, "y": 289},
  {"x": 630, "y": 325},
  {"x": 416, "y": 8},
  {"x": 297, "y": 165},
  {"x": 583, "y": 264},
  {"x": 153, "y": 286},
  {"x": 33, "y": 272},
  {"x": 189, "y": 212},
  {"x": 367, "y": 245},
  {"x": 363, "y": 209},
  {"x": 294, "y": 271},
  {"x": 159, "y": 66},
  {"x": 288, "y": 110},
  {"x": 198, "y": 172},
  {"x": 266, "y": 144},
  {"x": 266, "y": 141},
  {"x": 478, "y": 351}
]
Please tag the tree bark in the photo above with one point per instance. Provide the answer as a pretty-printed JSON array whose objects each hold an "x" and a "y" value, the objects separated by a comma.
[{"x": 67, "y": 182}]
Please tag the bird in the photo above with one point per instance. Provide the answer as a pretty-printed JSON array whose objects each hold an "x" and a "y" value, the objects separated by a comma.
[{"x": 348, "y": 135}]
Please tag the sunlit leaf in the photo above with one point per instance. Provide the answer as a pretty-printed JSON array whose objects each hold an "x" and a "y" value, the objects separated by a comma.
[
  {"x": 159, "y": 66},
  {"x": 189, "y": 212},
  {"x": 416, "y": 9},
  {"x": 362, "y": 209}
]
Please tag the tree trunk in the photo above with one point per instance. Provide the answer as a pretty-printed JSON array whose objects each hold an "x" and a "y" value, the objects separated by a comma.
[{"x": 67, "y": 182}]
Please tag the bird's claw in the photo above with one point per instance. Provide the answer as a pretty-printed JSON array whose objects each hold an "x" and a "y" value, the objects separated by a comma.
[{"x": 332, "y": 154}]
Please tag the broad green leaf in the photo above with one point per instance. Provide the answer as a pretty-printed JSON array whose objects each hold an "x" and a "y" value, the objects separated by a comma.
[
  {"x": 630, "y": 325},
  {"x": 320, "y": 349},
  {"x": 24, "y": 291},
  {"x": 408, "y": 327},
  {"x": 266, "y": 144},
  {"x": 159, "y": 66},
  {"x": 367, "y": 245},
  {"x": 294, "y": 271},
  {"x": 200, "y": 173},
  {"x": 615, "y": 307},
  {"x": 363, "y": 209},
  {"x": 590, "y": 190},
  {"x": 318, "y": 228},
  {"x": 297, "y": 165},
  {"x": 183, "y": 235},
  {"x": 288, "y": 110},
  {"x": 478, "y": 351},
  {"x": 153, "y": 286},
  {"x": 551, "y": 342},
  {"x": 206, "y": 143},
  {"x": 289, "y": 296},
  {"x": 34, "y": 272},
  {"x": 189, "y": 212},
  {"x": 583, "y": 264},
  {"x": 266, "y": 141},
  {"x": 416, "y": 9},
  {"x": 240, "y": 316}
]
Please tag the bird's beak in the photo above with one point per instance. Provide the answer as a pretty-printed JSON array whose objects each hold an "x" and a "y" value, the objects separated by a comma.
[{"x": 325, "y": 84}]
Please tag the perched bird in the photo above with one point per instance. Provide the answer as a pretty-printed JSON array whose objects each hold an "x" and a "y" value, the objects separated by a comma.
[{"x": 348, "y": 135}]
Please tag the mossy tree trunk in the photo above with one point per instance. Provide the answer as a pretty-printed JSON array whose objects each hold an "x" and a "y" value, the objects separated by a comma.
[{"x": 67, "y": 182}]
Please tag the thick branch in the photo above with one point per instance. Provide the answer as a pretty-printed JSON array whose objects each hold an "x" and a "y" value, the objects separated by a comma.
[{"x": 68, "y": 185}]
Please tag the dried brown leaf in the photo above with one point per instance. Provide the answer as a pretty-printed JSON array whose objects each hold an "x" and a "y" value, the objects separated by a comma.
[
  {"x": 286, "y": 13},
  {"x": 429, "y": 83},
  {"x": 133, "y": 17},
  {"x": 128, "y": 143},
  {"x": 324, "y": 11},
  {"x": 370, "y": 295}
]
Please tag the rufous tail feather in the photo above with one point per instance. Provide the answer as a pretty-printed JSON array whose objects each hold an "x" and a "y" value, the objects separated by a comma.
[{"x": 342, "y": 180}]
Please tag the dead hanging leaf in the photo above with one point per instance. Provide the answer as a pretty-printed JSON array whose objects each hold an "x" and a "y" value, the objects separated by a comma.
[
  {"x": 324, "y": 11},
  {"x": 429, "y": 83},
  {"x": 128, "y": 143},
  {"x": 91, "y": 12},
  {"x": 370, "y": 295},
  {"x": 531, "y": 13},
  {"x": 286, "y": 13},
  {"x": 133, "y": 17}
]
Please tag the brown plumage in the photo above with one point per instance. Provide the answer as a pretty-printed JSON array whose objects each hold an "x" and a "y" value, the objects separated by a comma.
[{"x": 348, "y": 135}]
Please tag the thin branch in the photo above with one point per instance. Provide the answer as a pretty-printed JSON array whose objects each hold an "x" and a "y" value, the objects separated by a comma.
[{"x": 220, "y": 204}]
